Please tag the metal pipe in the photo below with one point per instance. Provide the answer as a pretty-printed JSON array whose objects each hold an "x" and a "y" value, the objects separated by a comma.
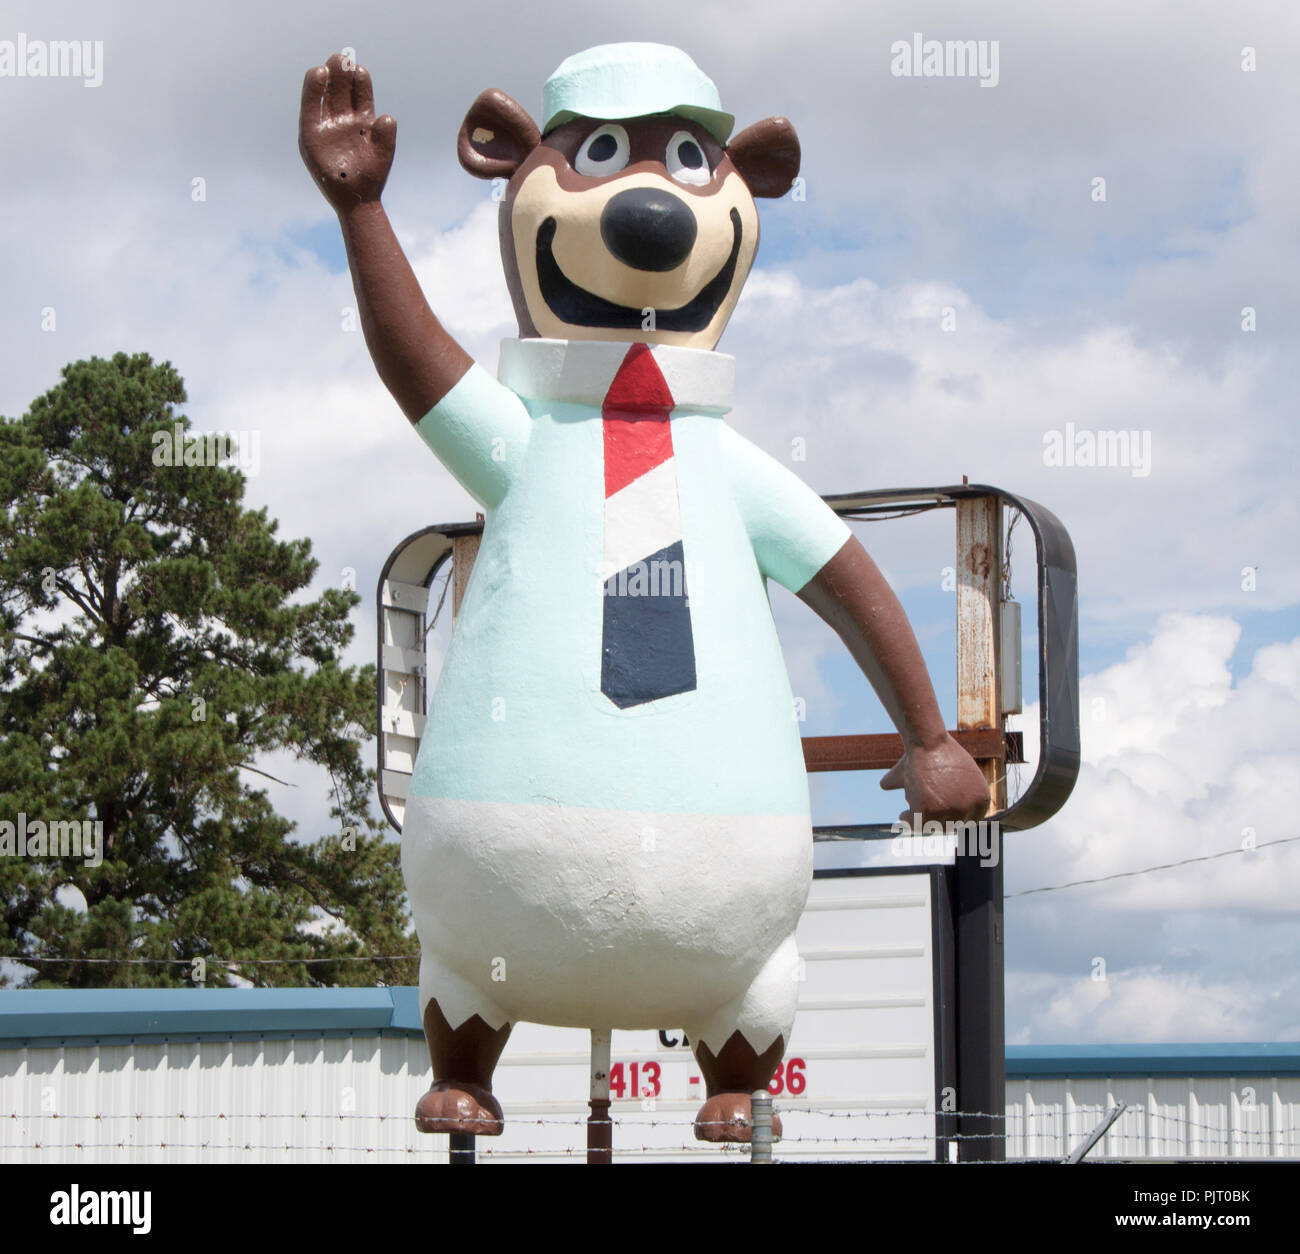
[
  {"x": 760, "y": 1135},
  {"x": 1097, "y": 1133},
  {"x": 600, "y": 1128}
]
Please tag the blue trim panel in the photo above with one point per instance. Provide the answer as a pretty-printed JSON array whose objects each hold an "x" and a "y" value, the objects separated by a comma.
[
  {"x": 406, "y": 1010},
  {"x": 1117, "y": 1061},
  {"x": 197, "y": 1038},
  {"x": 102, "y": 1015}
]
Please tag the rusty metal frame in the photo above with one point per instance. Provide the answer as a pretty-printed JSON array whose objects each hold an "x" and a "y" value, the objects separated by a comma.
[
  {"x": 1058, "y": 648},
  {"x": 1058, "y": 658}
]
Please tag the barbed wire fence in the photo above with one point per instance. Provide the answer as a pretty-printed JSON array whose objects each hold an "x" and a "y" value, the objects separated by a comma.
[{"x": 305, "y": 1132}]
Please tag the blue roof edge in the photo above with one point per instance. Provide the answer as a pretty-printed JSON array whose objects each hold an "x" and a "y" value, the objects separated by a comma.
[
  {"x": 47, "y": 1014},
  {"x": 1224, "y": 1058},
  {"x": 51, "y": 1016}
]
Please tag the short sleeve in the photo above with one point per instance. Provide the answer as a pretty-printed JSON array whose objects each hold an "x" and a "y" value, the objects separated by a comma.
[
  {"x": 793, "y": 531},
  {"x": 479, "y": 431}
]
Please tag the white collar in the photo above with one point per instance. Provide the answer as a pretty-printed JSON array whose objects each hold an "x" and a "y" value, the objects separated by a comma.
[{"x": 580, "y": 372}]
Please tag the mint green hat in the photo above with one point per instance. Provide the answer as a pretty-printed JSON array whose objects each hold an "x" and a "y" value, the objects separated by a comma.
[{"x": 616, "y": 81}]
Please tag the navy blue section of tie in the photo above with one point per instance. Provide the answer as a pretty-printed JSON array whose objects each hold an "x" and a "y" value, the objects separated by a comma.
[{"x": 648, "y": 648}]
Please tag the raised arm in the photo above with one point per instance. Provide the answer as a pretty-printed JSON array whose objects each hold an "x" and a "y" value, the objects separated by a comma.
[
  {"x": 349, "y": 153},
  {"x": 939, "y": 778}
]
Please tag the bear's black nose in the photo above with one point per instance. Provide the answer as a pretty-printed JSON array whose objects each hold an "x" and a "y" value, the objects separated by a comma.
[{"x": 648, "y": 229}]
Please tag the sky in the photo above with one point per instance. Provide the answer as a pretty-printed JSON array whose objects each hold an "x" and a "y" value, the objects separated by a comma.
[{"x": 1099, "y": 237}]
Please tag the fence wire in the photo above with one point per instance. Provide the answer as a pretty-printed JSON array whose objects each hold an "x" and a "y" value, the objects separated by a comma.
[{"x": 1045, "y": 1128}]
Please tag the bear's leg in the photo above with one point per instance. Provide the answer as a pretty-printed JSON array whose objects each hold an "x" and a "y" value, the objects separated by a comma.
[
  {"x": 739, "y": 1046},
  {"x": 464, "y": 1057}
]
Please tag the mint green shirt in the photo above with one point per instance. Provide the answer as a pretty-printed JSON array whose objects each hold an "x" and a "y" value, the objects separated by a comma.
[{"x": 518, "y": 715}]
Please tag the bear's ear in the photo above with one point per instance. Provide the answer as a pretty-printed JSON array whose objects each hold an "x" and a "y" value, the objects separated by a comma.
[
  {"x": 496, "y": 135},
  {"x": 767, "y": 156}
]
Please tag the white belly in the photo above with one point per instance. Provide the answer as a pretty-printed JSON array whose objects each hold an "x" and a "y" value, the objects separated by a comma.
[{"x": 587, "y": 917}]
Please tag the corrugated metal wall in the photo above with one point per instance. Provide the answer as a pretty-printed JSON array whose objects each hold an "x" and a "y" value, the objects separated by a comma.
[
  {"x": 216, "y": 1101},
  {"x": 345, "y": 1099},
  {"x": 348, "y": 1099},
  {"x": 1167, "y": 1117}
]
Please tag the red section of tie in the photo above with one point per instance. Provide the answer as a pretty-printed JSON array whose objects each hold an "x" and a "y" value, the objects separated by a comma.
[{"x": 635, "y": 412}]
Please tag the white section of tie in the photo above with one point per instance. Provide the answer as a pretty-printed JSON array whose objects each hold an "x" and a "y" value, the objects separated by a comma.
[{"x": 642, "y": 518}]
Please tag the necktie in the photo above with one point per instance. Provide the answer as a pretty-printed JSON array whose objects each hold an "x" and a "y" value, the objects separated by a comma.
[{"x": 648, "y": 648}]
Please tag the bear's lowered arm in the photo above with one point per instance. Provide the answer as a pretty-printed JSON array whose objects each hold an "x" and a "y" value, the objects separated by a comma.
[{"x": 940, "y": 779}]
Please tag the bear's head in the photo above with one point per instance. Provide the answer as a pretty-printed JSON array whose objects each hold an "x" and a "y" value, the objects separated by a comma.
[{"x": 627, "y": 216}]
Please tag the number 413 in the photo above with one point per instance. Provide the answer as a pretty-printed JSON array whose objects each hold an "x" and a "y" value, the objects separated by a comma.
[{"x": 638, "y": 1073}]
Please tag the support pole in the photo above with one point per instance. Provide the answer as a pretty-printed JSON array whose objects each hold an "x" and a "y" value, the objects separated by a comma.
[
  {"x": 461, "y": 1149},
  {"x": 979, "y": 600},
  {"x": 760, "y": 1134},
  {"x": 600, "y": 1129},
  {"x": 980, "y": 953}
]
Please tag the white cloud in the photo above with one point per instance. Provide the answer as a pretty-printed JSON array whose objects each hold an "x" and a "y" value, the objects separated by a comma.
[
  {"x": 1179, "y": 762},
  {"x": 884, "y": 397},
  {"x": 1142, "y": 1004}
]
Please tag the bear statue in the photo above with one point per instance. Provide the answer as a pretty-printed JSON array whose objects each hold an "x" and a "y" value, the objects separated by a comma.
[{"x": 608, "y": 824}]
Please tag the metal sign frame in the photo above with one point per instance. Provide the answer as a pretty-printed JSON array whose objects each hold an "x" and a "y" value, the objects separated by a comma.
[{"x": 1058, "y": 646}]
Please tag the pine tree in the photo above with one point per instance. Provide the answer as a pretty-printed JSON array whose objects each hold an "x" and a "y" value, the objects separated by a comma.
[{"x": 152, "y": 646}]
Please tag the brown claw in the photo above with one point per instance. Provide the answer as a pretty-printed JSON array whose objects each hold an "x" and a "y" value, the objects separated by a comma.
[
  {"x": 452, "y": 1106},
  {"x": 728, "y": 1117}
]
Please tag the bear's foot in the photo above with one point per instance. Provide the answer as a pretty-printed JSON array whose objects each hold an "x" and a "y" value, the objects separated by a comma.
[
  {"x": 450, "y": 1106},
  {"x": 727, "y": 1117}
]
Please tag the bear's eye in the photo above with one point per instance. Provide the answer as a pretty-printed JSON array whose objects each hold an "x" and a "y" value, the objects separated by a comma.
[
  {"x": 685, "y": 160},
  {"x": 605, "y": 151}
]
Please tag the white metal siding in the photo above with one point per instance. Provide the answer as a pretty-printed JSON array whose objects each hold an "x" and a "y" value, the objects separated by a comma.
[
  {"x": 215, "y": 1101},
  {"x": 1167, "y": 1117}
]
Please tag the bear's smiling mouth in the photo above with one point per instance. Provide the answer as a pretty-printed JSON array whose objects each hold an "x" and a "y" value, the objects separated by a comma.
[{"x": 580, "y": 308}]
